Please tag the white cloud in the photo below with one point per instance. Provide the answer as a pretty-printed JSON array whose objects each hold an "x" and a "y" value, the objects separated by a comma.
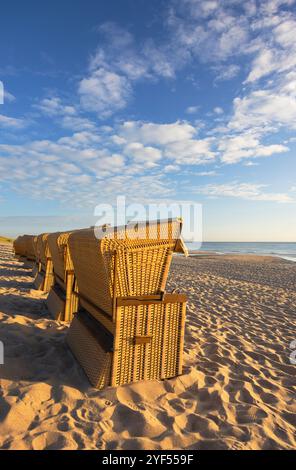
[
  {"x": 104, "y": 92},
  {"x": 206, "y": 173},
  {"x": 67, "y": 115},
  {"x": 246, "y": 145},
  {"x": 226, "y": 72},
  {"x": 177, "y": 141},
  {"x": 192, "y": 109},
  {"x": 171, "y": 168},
  {"x": 264, "y": 108},
  {"x": 144, "y": 155},
  {"x": 11, "y": 123},
  {"x": 8, "y": 96},
  {"x": 212, "y": 34},
  {"x": 277, "y": 50},
  {"x": 218, "y": 110},
  {"x": 251, "y": 163},
  {"x": 247, "y": 191},
  {"x": 157, "y": 134},
  {"x": 190, "y": 152}
]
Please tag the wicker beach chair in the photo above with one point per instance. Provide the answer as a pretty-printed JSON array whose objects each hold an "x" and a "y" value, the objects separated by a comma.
[
  {"x": 29, "y": 247},
  {"x": 44, "y": 278},
  {"x": 127, "y": 328},
  {"x": 24, "y": 248},
  {"x": 62, "y": 300},
  {"x": 18, "y": 246}
]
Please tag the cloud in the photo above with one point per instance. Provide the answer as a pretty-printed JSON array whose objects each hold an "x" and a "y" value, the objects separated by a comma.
[
  {"x": 171, "y": 168},
  {"x": 251, "y": 163},
  {"x": 72, "y": 169},
  {"x": 218, "y": 110},
  {"x": 143, "y": 155},
  {"x": 11, "y": 123},
  {"x": 246, "y": 191},
  {"x": 177, "y": 141},
  {"x": 132, "y": 155},
  {"x": 206, "y": 173},
  {"x": 157, "y": 134},
  {"x": 226, "y": 72},
  {"x": 9, "y": 96},
  {"x": 190, "y": 152},
  {"x": 246, "y": 145},
  {"x": 263, "y": 108},
  {"x": 210, "y": 31},
  {"x": 104, "y": 92},
  {"x": 192, "y": 109},
  {"x": 68, "y": 116},
  {"x": 118, "y": 63}
]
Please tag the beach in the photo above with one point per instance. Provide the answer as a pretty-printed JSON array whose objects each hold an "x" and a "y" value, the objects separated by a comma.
[{"x": 238, "y": 386}]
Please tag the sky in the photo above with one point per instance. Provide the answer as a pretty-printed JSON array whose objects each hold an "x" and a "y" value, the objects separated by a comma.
[{"x": 161, "y": 101}]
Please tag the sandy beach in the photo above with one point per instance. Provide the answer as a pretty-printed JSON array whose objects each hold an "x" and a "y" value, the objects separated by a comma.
[{"x": 238, "y": 388}]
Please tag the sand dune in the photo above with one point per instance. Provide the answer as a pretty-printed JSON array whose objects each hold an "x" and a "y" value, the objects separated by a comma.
[{"x": 237, "y": 390}]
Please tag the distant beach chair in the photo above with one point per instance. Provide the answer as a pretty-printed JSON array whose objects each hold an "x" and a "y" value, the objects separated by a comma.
[
  {"x": 127, "y": 328},
  {"x": 30, "y": 250},
  {"x": 18, "y": 246},
  {"x": 62, "y": 300},
  {"x": 44, "y": 278},
  {"x": 24, "y": 247}
]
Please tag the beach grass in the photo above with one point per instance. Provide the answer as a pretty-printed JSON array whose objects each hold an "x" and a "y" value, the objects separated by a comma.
[{"x": 5, "y": 240}]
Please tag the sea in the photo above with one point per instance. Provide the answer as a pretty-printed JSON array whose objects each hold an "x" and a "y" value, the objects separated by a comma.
[{"x": 282, "y": 250}]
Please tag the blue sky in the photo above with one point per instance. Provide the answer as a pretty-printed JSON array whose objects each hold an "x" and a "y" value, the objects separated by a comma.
[{"x": 160, "y": 101}]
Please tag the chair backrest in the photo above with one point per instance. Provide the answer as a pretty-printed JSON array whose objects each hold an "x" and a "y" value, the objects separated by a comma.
[
  {"x": 60, "y": 254},
  {"x": 17, "y": 245},
  {"x": 23, "y": 245},
  {"x": 42, "y": 248},
  {"x": 28, "y": 241},
  {"x": 125, "y": 262}
]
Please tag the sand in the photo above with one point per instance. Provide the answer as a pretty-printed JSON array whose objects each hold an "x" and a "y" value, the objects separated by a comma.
[{"x": 237, "y": 390}]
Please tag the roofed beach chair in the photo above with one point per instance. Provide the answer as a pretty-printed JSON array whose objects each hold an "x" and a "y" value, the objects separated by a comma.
[
  {"x": 23, "y": 247},
  {"x": 18, "y": 246},
  {"x": 62, "y": 300},
  {"x": 29, "y": 247},
  {"x": 44, "y": 278},
  {"x": 127, "y": 328}
]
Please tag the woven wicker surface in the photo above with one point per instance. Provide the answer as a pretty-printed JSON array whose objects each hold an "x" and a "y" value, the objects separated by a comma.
[
  {"x": 158, "y": 359},
  {"x": 59, "y": 250},
  {"x": 24, "y": 246},
  {"x": 42, "y": 248},
  {"x": 147, "y": 344},
  {"x": 18, "y": 246},
  {"x": 29, "y": 246},
  {"x": 139, "y": 265},
  {"x": 92, "y": 356},
  {"x": 55, "y": 305}
]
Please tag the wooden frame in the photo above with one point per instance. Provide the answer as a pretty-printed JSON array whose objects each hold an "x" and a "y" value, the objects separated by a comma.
[{"x": 62, "y": 300}]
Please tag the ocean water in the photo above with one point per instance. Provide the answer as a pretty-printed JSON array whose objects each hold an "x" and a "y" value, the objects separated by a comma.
[{"x": 282, "y": 250}]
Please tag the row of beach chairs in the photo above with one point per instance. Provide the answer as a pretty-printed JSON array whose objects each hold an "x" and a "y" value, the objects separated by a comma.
[{"x": 124, "y": 325}]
